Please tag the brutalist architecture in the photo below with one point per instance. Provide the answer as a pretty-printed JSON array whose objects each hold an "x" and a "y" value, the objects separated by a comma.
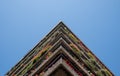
[{"x": 60, "y": 53}]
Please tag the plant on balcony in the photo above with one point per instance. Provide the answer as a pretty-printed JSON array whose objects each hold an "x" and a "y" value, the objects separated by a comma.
[
  {"x": 27, "y": 68},
  {"x": 66, "y": 30},
  {"x": 93, "y": 61},
  {"x": 35, "y": 58},
  {"x": 90, "y": 55},
  {"x": 73, "y": 37},
  {"x": 76, "y": 49},
  {"x": 91, "y": 65},
  {"x": 106, "y": 72},
  {"x": 99, "y": 73},
  {"x": 103, "y": 72}
]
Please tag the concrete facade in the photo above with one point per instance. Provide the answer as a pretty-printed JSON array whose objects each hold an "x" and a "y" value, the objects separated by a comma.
[{"x": 60, "y": 53}]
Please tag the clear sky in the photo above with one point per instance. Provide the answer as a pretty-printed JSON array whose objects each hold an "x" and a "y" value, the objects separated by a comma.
[{"x": 23, "y": 23}]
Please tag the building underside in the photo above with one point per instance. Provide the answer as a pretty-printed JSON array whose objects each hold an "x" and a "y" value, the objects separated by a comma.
[{"x": 60, "y": 53}]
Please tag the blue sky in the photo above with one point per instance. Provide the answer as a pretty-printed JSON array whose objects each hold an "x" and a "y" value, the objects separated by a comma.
[{"x": 23, "y": 23}]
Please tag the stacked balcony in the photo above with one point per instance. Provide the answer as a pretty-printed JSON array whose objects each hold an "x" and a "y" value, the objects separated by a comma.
[{"x": 60, "y": 48}]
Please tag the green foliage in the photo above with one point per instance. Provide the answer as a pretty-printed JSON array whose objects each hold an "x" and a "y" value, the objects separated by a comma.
[
  {"x": 90, "y": 55},
  {"x": 91, "y": 65},
  {"x": 103, "y": 72},
  {"x": 73, "y": 37},
  {"x": 27, "y": 68}
]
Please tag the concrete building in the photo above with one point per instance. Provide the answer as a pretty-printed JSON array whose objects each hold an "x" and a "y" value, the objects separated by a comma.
[{"x": 60, "y": 53}]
